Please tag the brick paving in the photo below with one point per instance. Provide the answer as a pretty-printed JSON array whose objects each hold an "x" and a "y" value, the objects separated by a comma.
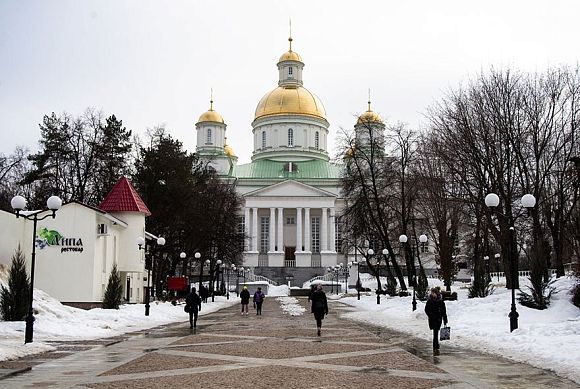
[{"x": 274, "y": 350}]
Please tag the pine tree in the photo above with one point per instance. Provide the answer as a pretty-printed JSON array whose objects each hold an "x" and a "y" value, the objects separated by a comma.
[
  {"x": 14, "y": 300},
  {"x": 114, "y": 291},
  {"x": 422, "y": 288}
]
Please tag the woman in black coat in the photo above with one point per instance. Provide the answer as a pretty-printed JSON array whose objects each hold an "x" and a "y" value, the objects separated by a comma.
[
  {"x": 193, "y": 303},
  {"x": 319, "y": 306},
  {"x": 436, "y": 312}
]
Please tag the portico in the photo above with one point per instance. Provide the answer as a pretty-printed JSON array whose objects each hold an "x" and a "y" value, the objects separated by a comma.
[{"x": 290, "y": 224}]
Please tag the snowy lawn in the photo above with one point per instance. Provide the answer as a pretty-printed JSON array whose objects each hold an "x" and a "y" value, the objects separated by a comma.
[
  {"x": 55, "y": 321},
  {"x": 548, "y": 339}
]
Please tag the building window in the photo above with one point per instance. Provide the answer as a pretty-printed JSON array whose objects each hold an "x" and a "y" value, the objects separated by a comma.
[
  {"x": 208, "y": 140},
  {"x": 242, "y": 228},
  {"x": 316, "y": 140},
  {"x": 264, "y": 233},
  {"x": 263, "y": 139},
  {"x": 424, "y": 247},
  {"x": 315, "y": 228},
  {"x": 290, "y": 71},
  {"x": 338, "y": 235},
  {"x": 290, "y": 220},
  {"x": 290, "y": 137}
]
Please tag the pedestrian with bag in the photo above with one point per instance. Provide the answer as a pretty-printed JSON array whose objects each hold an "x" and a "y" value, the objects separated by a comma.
[
  {"x": 192, "y": 306},
  {"x": 245, "y": 298},
  {"x": 258, "y": 301},
  {"x": 319, "y": 306},
  {"x": 436, "y": 312}
]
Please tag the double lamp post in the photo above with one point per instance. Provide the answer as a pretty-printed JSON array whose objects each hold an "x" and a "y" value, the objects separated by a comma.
[{"x": 142, "y": 244}]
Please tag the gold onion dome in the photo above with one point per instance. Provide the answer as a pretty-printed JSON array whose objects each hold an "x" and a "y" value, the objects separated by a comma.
[
  {"x": 290, "y": 55},
  {"x": 211, "y": 115},
  {"x": 369, "y": 116},
  {"x": 229, "y": 151},
  {"x": 295, "y": 100}
]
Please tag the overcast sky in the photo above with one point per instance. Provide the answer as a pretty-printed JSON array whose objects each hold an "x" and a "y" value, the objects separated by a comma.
[{"x": 153, "y": 62}]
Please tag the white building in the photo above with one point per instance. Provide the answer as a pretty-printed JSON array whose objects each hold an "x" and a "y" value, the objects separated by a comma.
[
  {"x": 76, "y": 250},
  {"x": 291, "y": 189}
]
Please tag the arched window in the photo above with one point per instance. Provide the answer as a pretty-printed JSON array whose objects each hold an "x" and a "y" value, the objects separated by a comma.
[
  {"x": 290, "y": 137},
  {"x": 208, "y": 140},
  {"x": 290, "y": 72},
  {"x": 316, "y": 140},
  {"x": 263, "y": 139}
]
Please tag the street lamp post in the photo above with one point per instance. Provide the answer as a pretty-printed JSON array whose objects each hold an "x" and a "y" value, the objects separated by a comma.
[
  {"x": 142, "y": 244},
  {"x": 329, "y": 269},
  {"x": 370, "y": 253},
  {"x": 234, "y": 268},
  {"x": 358, "y": 283},
  {"x": 405, "y": 241},
  {"x": 487, "y": 275},
  {"x": 228, "y": 284},
  {"x": 497, "y": 265},
  {"x": 528, "y": 201},
  {"x": 18, "y": 203},
  {"x": 214, "y": 276}
]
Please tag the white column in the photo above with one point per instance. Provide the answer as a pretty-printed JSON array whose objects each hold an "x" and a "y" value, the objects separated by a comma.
[
  {"x": 332, "y": 245},
  {"x": 272, "y": 228},
  {"x": 298, "y": 229},
  {"x": 255, "y": 229},
  {"x": 280, "y": 229},
  {"x": 324, "y": 230},
  {"x": 247, "y": 229},
  {"x": 306, "y": 229}
]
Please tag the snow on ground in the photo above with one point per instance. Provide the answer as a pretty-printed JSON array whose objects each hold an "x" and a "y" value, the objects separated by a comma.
[
  {"x": 549, "y": 339},
  {"x": 291, "y": 306},
  {"x": 55, "y": 321},
  {"x": 278, "y": 290}
]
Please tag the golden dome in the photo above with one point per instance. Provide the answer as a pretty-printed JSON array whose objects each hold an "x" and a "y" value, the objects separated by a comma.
[
  {"x": 211, "y": 116},
  {"x": 229, "y": 151},
  {"x": 369, "y": 116},
  {"x": 293, "y": 101},
  {"x": 290, "y": 55}
]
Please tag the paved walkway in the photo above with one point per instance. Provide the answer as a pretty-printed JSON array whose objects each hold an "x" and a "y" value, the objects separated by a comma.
[{"x": 275, "y": 351}]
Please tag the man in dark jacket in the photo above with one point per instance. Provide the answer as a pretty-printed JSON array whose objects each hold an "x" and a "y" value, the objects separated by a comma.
[
  {"x": 436, "y": 312},
  {"x": 319, "y": 306},
  {"x": 203, "y": 293},
  {"x": 245, "y": 298},
  {"x": 193, "y": 304},
  {"x": 258, "y": 301}
]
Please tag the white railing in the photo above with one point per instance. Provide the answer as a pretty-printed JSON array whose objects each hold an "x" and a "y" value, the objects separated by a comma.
[
  {"x": 326, "y": 277},
  {"x": 523, "y": 273},
  {"x": 289, "y": 263},
  {"x": 253, "y": 277}
]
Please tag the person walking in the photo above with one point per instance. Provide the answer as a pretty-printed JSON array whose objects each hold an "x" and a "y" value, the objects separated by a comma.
[
  {"x": 436, "y": 312},
  {"x": 258, "y": 301},
  {"x": 193, "y": 306},
  {"x": 319, "y": 306},
  {"x": 203, "y": 293},
  {"x": 245, "y": 297}
]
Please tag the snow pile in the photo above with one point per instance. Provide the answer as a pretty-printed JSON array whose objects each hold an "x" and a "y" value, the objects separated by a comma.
[
  {"x": 281, "y": 290},
  {"x": 290, "y": 306},
  {"x": 549, "y": 339},
  {"x": 55, "y": 321}
]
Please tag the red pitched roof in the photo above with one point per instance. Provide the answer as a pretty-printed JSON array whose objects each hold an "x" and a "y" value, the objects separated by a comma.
[{"x": 124, "y": 198}]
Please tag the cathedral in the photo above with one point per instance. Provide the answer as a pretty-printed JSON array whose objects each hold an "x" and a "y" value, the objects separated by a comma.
[{"x": 290, "y": 189}]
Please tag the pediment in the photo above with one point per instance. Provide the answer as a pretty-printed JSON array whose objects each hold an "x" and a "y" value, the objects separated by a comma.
[{"x": 289, "y": 188}]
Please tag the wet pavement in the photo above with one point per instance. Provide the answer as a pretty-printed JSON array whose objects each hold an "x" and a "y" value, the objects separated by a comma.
[{"x": 274, "y": 350}]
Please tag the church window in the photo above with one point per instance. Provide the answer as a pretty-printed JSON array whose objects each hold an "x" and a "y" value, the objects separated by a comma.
[
  {"x": 264, "y": 233},
  {"x": 316, "y": 140},
  {"x": 290, "y": 137},
  {"x": 315, "y": 234},
  {"x": 263, "y": 139},
  {"x": 290, "y": 71},
  {"x": 338, "y": 235},
  {"x": 208, "y": 140}
]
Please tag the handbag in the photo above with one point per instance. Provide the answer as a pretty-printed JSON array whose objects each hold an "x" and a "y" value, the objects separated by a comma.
[
  {"x": 186, "y": 308},
  {"x": 445, "y": 333}
]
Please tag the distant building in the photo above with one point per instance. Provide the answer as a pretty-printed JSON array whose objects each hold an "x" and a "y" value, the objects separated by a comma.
[{"x": 76, "y": 250}]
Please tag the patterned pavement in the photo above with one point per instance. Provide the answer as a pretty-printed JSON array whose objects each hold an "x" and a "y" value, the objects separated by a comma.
[{"x": 274, "y": 350}]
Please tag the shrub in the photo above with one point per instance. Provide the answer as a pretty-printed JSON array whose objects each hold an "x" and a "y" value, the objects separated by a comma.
[
  {"x": 539, "y": 296},
  {"x": 114, "y": 291},
  {"x": 14, "y": 300}
]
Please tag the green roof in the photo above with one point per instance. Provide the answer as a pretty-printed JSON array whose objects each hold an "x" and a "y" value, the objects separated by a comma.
[{"x": 264, "y": 168}]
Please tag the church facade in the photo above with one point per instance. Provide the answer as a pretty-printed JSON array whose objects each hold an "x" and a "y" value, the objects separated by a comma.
[{"x": 291, "y": 189}]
